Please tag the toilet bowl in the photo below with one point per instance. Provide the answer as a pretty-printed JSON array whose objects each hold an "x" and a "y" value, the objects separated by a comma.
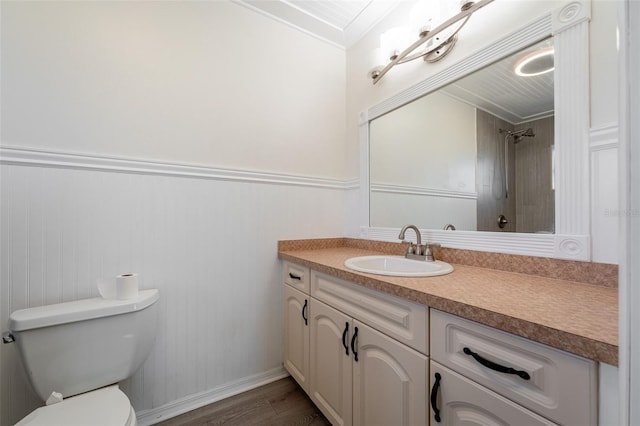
[
  {"x": 103, "y": 407},
  {"x": 81, "y": 350}
]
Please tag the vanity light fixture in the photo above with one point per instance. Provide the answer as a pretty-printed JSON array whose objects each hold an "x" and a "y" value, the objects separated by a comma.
[
  {"x": 535, "y": 63},
  {"x": 437, "y": 32}
]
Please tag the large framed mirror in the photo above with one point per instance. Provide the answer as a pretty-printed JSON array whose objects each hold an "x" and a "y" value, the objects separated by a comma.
[
  {"x": 474, "y": 155},
  {"x": 427, "y": 168}
]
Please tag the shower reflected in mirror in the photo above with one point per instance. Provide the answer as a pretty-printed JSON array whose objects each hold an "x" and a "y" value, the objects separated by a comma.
[
  {"x": 520, "y": 186},
  {"x": 515, "y": 136}
]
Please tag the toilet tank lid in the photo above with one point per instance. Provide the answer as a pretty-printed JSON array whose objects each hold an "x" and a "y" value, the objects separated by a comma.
[{"x": 79, "y": 310}]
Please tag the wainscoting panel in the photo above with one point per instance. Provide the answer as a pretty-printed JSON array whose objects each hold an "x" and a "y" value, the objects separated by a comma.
[
  {"x": 208, "y": 244},
  {"x": 605, "y": 210}
]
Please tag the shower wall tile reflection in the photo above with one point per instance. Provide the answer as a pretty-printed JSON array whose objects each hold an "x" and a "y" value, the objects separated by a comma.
[
  {"x": 535, "y": 202},
  {"x": 521, "y": 188},
  {"x": 492, "y": 186}
]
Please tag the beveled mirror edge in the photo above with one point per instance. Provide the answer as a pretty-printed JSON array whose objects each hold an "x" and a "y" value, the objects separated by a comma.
[{"x": 568, "y": 23}]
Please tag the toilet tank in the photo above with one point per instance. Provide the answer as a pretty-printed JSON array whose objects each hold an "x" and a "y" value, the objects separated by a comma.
[{"x": 79, "y": 346}]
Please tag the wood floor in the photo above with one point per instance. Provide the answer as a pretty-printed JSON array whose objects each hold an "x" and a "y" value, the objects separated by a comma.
[{"x": 279, "y": 403}]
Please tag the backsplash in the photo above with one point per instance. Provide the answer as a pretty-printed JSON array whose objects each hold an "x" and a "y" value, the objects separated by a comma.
[{"x": 602, "y": 274}]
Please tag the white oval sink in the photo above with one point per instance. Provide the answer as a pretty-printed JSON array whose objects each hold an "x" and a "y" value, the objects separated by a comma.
[{"x": 397, "y": 266}]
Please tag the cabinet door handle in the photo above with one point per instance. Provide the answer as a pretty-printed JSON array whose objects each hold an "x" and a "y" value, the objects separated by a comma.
[
  {"x": 294, "y": 277},
  {"x": 353, "y": 344},
  {"x": 344, "y": 338},
  {"x": 496, "y": 367},
  {"x": 434, "y": 397},
  {"x": 304, "y": 308}
]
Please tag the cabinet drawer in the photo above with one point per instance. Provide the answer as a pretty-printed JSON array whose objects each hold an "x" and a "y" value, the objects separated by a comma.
[
  {"x": 460, "y": 401},
  {"x": 550, "y": 382},
  {"x": 398, "y": 318},
  {"x": 296, "y": 276}
]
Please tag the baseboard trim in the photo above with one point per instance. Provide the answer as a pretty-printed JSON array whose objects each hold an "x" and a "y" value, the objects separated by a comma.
[{"x": 192, "y": 402}]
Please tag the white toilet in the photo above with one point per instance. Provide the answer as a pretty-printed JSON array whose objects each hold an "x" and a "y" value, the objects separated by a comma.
[{"x": 81, "y": 350}]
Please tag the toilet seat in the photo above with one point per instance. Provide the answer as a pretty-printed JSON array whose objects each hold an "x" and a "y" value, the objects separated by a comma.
[{"x": 102, "y": 407}]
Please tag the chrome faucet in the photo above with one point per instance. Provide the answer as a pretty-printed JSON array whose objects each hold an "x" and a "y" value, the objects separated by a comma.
[
  {"x": 417, "y": 251},
  {"x": 413, "y": 252}
]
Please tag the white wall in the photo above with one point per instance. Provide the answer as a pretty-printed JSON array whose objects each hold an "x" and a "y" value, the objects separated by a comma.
[
  {"x": 209, "y": 83},
  {"x": 165, "y": 83},
  {"x": 421, "y": 144},
  {"x": 604, "y": 147},
  {"x": 423, "y": 159}
]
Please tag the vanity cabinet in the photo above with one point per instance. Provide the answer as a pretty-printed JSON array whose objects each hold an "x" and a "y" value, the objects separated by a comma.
[
  {"x": 370, "y": 358},
  {"x": 476, "y": 363},
  {"x": 367, "y": 362}
]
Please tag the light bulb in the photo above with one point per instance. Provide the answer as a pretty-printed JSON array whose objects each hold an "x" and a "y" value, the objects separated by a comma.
[
  {"x": 535, "y": 63},
  {"x": 394, "y": 41},
  {"x": 377, "y": 61},
  {"x": 423, "y": 17}
]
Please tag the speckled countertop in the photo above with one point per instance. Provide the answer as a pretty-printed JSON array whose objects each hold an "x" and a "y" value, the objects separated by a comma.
[{"x": 568, "y": 315}]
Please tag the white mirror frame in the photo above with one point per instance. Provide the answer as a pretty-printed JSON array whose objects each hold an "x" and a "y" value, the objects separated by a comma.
[{"x": 569, "y": 26}]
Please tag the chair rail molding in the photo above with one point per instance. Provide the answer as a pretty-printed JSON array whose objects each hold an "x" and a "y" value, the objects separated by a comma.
[{"x": 37, "y": 158}]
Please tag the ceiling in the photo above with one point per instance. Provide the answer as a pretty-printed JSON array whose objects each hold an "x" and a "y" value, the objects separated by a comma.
[
  {"x": 496, "y": 89},
  {"x": 341, "y": 22}
]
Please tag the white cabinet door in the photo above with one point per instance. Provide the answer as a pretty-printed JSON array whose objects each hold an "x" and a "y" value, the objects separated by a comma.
[
  {"x": 458, "y": 401},
  {"x": 389, "y": 381},
  {"x": 331, "y": 372},
  {"x": 296, "y": 335}
]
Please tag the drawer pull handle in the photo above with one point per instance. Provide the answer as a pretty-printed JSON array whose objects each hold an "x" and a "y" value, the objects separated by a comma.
[
  {"x": 353, "y": 344},
  {"x": 295, "y": 277},
  {"x": 304, "y": 308},
  {"x": 497, "y": 367},
  {"x": 344, "y": 338},
  {"x": 434, "y": 397}
]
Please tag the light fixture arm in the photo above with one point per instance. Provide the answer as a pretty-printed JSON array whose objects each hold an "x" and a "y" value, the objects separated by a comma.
[{"x": 406, "y": 54}]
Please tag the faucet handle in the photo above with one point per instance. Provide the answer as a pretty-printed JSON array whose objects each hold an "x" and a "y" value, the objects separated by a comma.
[
  {"x": 413, "y": 248},
  {"x": 410, "y": 248},
  {"x": 427, "y": 251}
]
